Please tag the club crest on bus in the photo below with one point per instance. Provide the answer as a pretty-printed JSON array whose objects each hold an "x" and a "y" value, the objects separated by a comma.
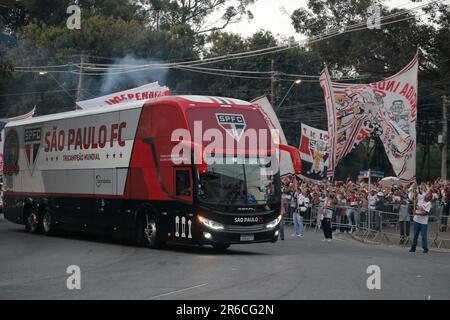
[
  {"x": 11, "y": 153},
  {"x": 32, "y": 143},
  {"x": 233, "y": 124}
]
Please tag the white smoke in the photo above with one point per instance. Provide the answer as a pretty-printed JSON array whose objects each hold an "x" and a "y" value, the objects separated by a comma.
[{"x": 114, "y": 80}]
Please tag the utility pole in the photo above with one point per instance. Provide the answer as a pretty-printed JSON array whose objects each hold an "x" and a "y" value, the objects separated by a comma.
[
  {"x": 80, "y": 80},
  {"x": 444, "y": 139},
  {"x": 273, "y": 84}
]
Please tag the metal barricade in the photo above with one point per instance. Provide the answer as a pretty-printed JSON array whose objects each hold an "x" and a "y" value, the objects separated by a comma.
[
  {"x": 345, "y": 219},
  {"x": 380, "y": 225},
  {"x": 309, "y": 218}
]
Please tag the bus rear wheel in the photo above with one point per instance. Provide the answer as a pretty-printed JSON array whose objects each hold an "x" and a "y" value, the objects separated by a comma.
[
  {"x": 32, "y": 222},
  {"x": 48, "y": 223}
]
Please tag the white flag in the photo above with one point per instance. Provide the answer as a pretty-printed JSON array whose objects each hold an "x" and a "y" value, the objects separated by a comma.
[
  {"x": 142, "y": 93},
  {"x": 286, "y": 165}
]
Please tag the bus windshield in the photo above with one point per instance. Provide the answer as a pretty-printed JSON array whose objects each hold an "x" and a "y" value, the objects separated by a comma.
[{"x": 253, "y": 182}]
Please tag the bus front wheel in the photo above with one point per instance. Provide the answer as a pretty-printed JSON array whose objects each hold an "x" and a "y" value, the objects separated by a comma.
[{"x": 148, "y": 233}]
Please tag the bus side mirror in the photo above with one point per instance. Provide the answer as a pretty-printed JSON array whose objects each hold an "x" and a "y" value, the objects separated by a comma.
[
  {"x": 295, "y": 156},
  {"x": 202, "y": 168}
]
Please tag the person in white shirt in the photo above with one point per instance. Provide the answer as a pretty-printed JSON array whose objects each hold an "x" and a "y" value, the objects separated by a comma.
[
  {"x": 303, "y": 205},
  {"x": 421, "y": 221},
  {"x": 321, "y": 208},
  {"x": 372, "y": 198},
  {"x": 329, "y": 207}
]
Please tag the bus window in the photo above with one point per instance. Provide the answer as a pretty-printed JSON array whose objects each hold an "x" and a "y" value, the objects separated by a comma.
[{"x": 183, "y": 183}]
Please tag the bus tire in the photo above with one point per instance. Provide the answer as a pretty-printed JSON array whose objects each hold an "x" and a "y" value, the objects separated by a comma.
[
  {"x": 220, "y": 246},
  {"x": 147, "y": 231},
  {"x": 48, "y": 223},
  {"x": 33, "y": 222}
]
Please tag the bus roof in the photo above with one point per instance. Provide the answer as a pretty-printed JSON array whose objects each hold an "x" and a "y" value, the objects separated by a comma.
[{"x": 124, "y": 106}]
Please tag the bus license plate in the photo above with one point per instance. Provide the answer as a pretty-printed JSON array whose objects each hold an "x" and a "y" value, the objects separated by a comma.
[{"x": 247, "y": 237}]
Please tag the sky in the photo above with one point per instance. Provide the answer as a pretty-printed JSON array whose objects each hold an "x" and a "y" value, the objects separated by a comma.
[{"x": 273, "y": 15}]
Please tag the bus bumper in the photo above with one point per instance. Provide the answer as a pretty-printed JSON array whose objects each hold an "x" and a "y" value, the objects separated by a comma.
[{"x": 222, "y": 237}]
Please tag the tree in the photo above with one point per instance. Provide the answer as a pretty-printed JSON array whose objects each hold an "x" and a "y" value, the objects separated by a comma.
[
  {"x": 17, "y": 14},
  {"x": 101, "y": 40},
  {"x": 377, "y": 52},
  {"x": 168, "y": 13},
  {"x": 5, "y": 68}
]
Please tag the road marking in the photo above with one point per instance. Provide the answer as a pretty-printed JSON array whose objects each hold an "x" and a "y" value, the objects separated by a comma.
[{"x": 177, "y": 291}]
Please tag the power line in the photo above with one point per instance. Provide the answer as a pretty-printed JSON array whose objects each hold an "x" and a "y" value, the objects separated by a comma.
[
  {"x": 60, "y": 85},
  {"x": 223, "y": 75},
  {"x": 43, "y": 67},
  {"x": 218, "y": 72},
  {"x": 135, "y": 68},
  {"x": 193, "y": 66},
  {"x": 253, "y": 53}
]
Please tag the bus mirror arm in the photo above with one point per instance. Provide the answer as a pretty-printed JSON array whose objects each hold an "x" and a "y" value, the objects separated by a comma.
[{"x": 295, "y": 156}]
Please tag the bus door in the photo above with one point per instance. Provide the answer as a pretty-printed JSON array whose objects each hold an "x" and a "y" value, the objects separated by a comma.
[{"x": 182, "y": 217}]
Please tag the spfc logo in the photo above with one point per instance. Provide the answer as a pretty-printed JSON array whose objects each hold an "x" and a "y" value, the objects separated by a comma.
[
  {"x": 233, "y": 124},
  {"x": 32, "y": 143}
]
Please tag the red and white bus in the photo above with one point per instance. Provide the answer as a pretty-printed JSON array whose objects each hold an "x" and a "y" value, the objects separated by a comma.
[{"x": 119, "y": 170}]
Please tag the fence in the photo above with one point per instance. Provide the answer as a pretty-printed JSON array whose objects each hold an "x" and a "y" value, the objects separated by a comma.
[{"x": 380, "y": 226}]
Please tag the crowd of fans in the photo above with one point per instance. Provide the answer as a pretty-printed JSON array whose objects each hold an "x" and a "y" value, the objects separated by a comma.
[{"x": 344, "y": 201}]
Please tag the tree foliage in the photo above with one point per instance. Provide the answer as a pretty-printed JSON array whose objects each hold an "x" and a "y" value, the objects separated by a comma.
[{"x": 169, "y": 13}]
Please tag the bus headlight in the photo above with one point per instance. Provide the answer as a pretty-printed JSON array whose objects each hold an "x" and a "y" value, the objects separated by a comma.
[
  {"x": 274, "y": 223},
  {"x": 210, "y": 224}
]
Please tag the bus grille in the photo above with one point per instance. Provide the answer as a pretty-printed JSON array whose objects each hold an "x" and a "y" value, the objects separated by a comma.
[{"x": 245, "y": 229}]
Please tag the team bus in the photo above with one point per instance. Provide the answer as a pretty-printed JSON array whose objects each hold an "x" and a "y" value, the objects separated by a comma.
[{"x": 145, "y": 171}]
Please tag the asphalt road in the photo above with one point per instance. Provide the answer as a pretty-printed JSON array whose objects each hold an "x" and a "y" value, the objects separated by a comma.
[{"x": 34, "y": 267}]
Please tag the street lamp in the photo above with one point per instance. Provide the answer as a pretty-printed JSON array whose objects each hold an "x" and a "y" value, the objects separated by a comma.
[{"x": 293, "y": 84}]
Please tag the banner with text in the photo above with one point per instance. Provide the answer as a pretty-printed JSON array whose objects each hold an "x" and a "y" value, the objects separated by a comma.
[
  {"x": 387, "y": 109},
  {"x": 142, "y": 93}
]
